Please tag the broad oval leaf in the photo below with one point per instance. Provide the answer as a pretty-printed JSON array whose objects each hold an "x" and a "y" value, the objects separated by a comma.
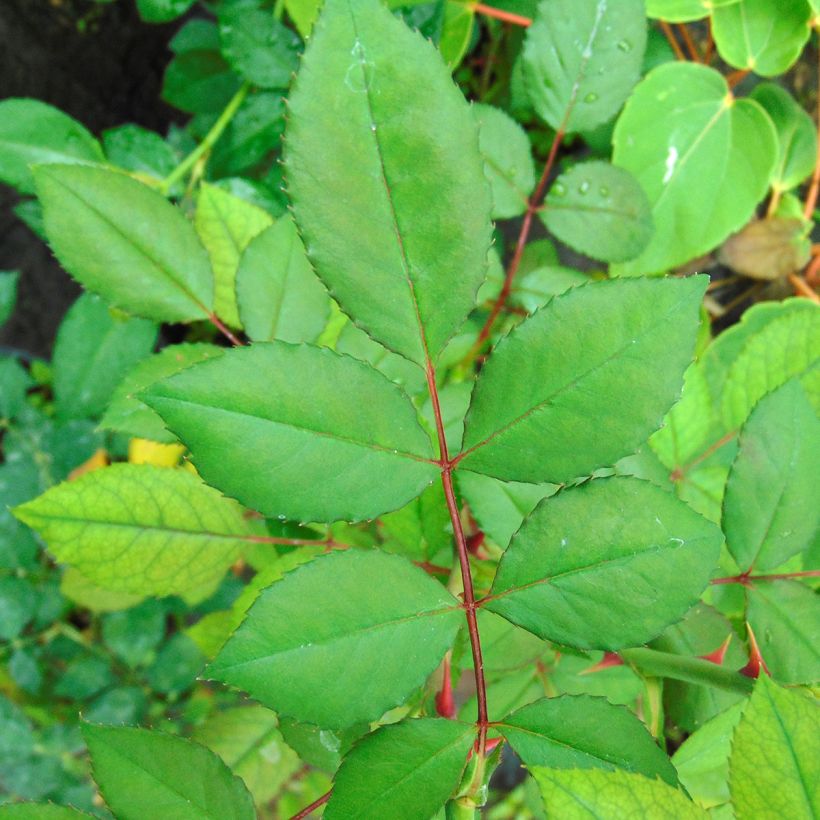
[
  {"x": 144, "y": 773},
  {"x": 410, "y": 767},
  {"x": 769, "y": 508},
  {"x": 566, "y": 733},
  {"x": 613, "y": 350},
  {"x": 508, "y": 166},
  {"x": 33, "y": 132},
  {"x": 581, "y": 59},
  {"x": 599, "y": 210},
  {"x": 125, "y": 241},
  {"x": 140, "y": 529},
  {"x": 574, "y": 794},
  {"x": 774, "y": 768},
  {"x": 278, "y": 294},
  {"x": 127, "y": 414},
  {"x": 298, "y": 432},
  {"x": 703, "y": 158},
  {"x": 376, "y": 638},
  {"x": 764, "y": 36},
  {"x": 605, "y": 565},
  {"x": 682, "y": 11},
  {"x": 396, "y": 217}
]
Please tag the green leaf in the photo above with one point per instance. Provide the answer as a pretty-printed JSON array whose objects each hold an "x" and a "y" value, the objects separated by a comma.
[
  {"x": 14, "y": 382},
  {"x": 599, "y": 210},
  {"x": 702, "y": 760},
  {"x": 162, "y": 11},
  {"x": 148, "y": 530},
  {"x": 508, "y": 166},
  {"x": 304, "y": 14},
  {"x": 133, "y": 634},
  {"x": 786, "y": 346},
  {"x": 769, "y": 509},
  {"x": 140, "y": 150},
  {"x": 638, "y": 568},
  {"x": 403, "y": 253},
  {"x": 581, "y": 59},
  {"x": 248, "y": 740},
  {"x": 581, "y": 794},
  {"x": 411, "y": 767},
  {"x": 785, "y": 617},
  {"x": 252, "y": 411},
  {"x": 774, "y": 768},
  {"x": 33, "y": 132},
  {"x": 796, "y": 135},
  {"x": 256, "y": 45},
  {"x": 93, "y": 351},
  {"x": 764, "y": 36},
  {"x": 565, "y": 733},
  {"x": 127, "y": 414},
  {"x": 703, "y": 158},
  {"x": 39, "y": 811},
  {"x": 176, "y": 666},
  {"x": 614, "y": 350},
  {"x": 17, "y": 600},
  {"x": 125, "y": 241},
  {"x": 8, "y": 294},
  {"x": 683, "y": 11},
  {"x": 456, "y": 31},
  {"x": 226, "y": 224},
  {"x": 383, "y": 630},
  {"x": 151, "y": 774},
  {"x": 77, "y": 588},
  {"x": 278, "y": 294}
]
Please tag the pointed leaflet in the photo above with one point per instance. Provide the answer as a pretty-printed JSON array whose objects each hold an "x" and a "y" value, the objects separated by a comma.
[
  {"x": 396, "y": 217},
  {"x": 605, "y": 565},
  {"x": 769, "y": 508},
  {"x": 298, "y": 431},
  {"x": 144, "y": 774},
  {"x": 611, "y": 350},
  {"x": 226, "y": 224},
  {"x": 703, "y": 158},
  {"x": 125, "y": 241},
  {"x": 774, "y": 768},
  {"x": 581, "y": 59},
  {"x": 410, "y": 768},
  {"x": 341, "y": 639},
  {"x": 566, "y": 733},
  {"x": 148, "y": 530},
  {"x": 579, "y": 794},
  {"x": 277, "y": 292}
]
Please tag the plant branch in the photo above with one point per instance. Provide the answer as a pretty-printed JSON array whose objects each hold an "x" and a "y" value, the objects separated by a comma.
[
  {"x": 670, "y": 36},
  {"x": 746, "y": 579},
  {"x": 209, "y": 140},
  {"x": 802, "y": 288},
  {"x": 679, "y": 472},
  {"x": 694, "y": 54},
  {"x": 224, "y": 330},
  {"x": 313, "y": 806},
  {"x": 504, "y": 16},
  {"x": 814, "y": 186}
]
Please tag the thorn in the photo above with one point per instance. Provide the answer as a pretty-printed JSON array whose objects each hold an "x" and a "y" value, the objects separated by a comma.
[
  {"x": 609, "y": 659},
  {"x": 489, "y": 746},
  {"x": 756, "y": 662},
  {"x": 445, "y": 706},
  {"x": 720, "y": 653}
]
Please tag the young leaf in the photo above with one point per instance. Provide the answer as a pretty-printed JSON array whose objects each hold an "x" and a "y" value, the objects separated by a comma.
[
  {"x": 226, "y": 224},
  {"x": 614, "y": 350},
  {"x": 303, "y": 13},
  {"x": 144, "y": 774},
  {"x": 769, "y": 509},
  {"x": 565, "y": 733},
  {"x": 764, "y": 36},
  {"x": 127, "y": 414},
  {"x": 785, "y": 617},
  {"x": 148, "y": 530},
  {"x": 599, "y": 210},
  {"x": 93, "y": 351},
  {"x": 286, "y": 430},
  {"x": 403, "y": 253},
  {"x": 796, "y": 135},
  {"x": 277, "y": 292},
  {"x": 364, "y": 650},
  {"x": 581, "y": 59},
  {"x": 33, "y": 132},
  {"x": 140, "y": 150},
  {"x": 508, "y": 165},
  {"x": 125, "y": 241},
  {"x": 640, "y": 567},
  {"x": 581, "y": 794},
  {"x": 774, "y": 768},
  {"x": 415, "y": 765},
  {"x": 162, "y": 11},
  {"x": 704, "y": 170}
]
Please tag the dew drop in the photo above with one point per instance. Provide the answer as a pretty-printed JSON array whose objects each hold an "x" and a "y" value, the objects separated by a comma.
[
  {"x": 624, "y": 45},
  {"x": 603, "y": 191},
  {"x": 558, "y": 189},
  {"x": 583, "y": 187},
  {"x": 591, "y": 97}
]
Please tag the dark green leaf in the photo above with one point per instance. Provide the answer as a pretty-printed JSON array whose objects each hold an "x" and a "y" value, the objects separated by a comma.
[
  {"x": 17, "y": 599},
  {"x": 162, "y": 11},
  {"x": 133, "y": 634},
  {"x": 140, "y": 150},
  {"x": 177, "y": 665},
  {"x": 8, "y": 294},
  {"x": 14, "y": 382}
]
